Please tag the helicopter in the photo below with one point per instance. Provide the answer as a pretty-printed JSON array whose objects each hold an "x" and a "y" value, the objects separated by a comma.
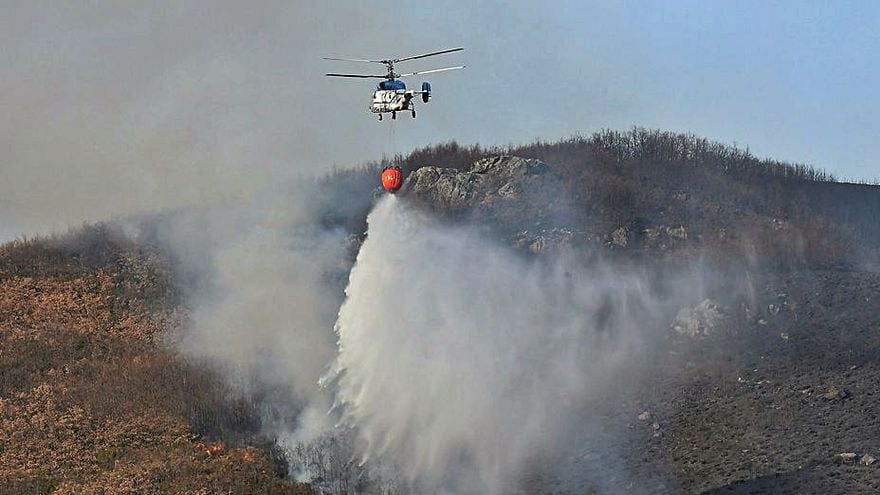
[{"x": 391, "y": 95}]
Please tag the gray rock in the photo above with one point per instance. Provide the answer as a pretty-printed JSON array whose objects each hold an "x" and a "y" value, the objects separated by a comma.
[
  {"x": 544, "y": 239},
  {"x": 778, "y": 224},
  {"x": 510, "y": 190},
  {"x": 445, "y": 185},
  {"x": 663, "y": 235},
  {"x": 652, "y": 235},
  {"x": 537, "y": 246},
  {"x": 679, "y": 232},
  {"x": 503, "y": 178},
  {"x": 509, "y": 166},
  {"x": 701, "y": 320},
  {"x": 835, "y": 394},
  {"x": 621, "y": 237}
]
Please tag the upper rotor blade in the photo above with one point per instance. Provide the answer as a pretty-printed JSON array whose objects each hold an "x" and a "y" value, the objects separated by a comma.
[
  {"x": 432, "y": 70},
  {"x": 448, "y": 50},
  {"x": 362, "y": 76},
  {"x": 353, "y": 60}
]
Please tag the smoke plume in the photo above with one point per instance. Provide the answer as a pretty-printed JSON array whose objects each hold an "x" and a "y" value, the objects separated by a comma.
[{"x": 263, "y": 281}]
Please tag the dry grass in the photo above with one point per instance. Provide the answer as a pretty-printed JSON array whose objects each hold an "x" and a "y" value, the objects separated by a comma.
[{"x": 90, "y": 402}]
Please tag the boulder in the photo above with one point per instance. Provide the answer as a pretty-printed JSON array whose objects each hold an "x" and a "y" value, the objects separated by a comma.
[
  {"x": 679, "y": 232},
  {"x": 701, "y": 320},
  {"x": 835, "y": 394},
  {"x": 663, "y": 236},
  {"x": 510, "y": 190},
  {"x": 656, "y": 428},
  {"x": 621, "y": 237},
  {"x": 537, "y": 246}
]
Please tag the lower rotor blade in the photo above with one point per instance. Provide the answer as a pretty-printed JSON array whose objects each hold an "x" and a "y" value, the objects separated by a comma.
[{"x": 432, "y": 70}]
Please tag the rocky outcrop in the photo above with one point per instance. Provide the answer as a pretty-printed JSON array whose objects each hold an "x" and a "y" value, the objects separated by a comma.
[
  {"x": 663, "y": 236},
  {"x": 521, "y": 199},
  {"x": 538, "y": 241},
  {"x": 444, "y": 186},
  {"x": 499, "y": 178},
  {"x": 525, "y": 197}
]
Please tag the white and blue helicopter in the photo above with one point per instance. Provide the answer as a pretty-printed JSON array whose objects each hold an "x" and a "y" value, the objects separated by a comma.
[{"x": 391, "y": 95}]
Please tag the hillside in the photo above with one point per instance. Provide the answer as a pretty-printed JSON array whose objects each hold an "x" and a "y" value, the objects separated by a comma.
[
  {"x": 92, "y": 401},
  {"x": 755, "y": 391},
  {"x": 646, "y": 181}
]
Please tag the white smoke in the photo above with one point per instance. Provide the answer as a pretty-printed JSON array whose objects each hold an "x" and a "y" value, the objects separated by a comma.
[
  {"x": 264, "y": 290},
  {"x": 460, "y": 362}
]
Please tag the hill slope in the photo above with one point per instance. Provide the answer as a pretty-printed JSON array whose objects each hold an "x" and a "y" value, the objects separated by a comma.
[
  {"x": 94, "y": 400},
  {"x": 90, "y": 399}
]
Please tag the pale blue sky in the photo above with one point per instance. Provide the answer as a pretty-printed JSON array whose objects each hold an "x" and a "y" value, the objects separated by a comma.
[
  {"x": 792, "y": 80},
  {"x": 117, "y": 107}
]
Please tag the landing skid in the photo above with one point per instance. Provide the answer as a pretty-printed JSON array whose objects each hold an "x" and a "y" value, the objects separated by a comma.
[{"x": 394, "y": 114}]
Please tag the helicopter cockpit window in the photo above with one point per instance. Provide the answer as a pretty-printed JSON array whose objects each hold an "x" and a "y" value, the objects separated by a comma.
[{"x": 391, "y": 85}]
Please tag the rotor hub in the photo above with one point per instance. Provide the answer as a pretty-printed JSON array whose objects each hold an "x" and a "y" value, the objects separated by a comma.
[{"x": 389, "y": 64}]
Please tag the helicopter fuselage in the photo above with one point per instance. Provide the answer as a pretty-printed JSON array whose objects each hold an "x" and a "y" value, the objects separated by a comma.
[
  {"x": 391, "y": 100},
  {"x": 391, "y": 96}
]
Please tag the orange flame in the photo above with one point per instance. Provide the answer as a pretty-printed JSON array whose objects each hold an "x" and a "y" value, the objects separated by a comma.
[{"x": 214, "y": 449}]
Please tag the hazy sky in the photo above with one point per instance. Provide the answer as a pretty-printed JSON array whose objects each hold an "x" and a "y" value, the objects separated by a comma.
[{"x": 110, "y": 108}]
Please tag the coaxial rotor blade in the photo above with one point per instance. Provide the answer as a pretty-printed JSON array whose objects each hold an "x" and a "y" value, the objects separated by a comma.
[
  {"x": 432, "y": 70},
  {"x": 448, "y": 50},
  {"x": 362, "y": 76},
  {"x": 354, "y": 60}
]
